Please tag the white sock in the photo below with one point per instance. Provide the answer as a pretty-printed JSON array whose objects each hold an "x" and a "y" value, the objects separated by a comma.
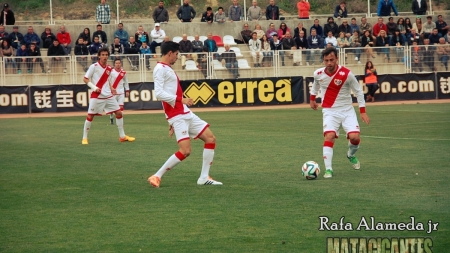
[
  {"x": 87, "y": 126},
  {"x": 208, "y": 156},
  {"x": 352, "y": 148},
  {"x": 173, "y": 161},
  {"x": 119, "y": 123},
  {"x": 111, "y": 116},
  {"x": 328, "y": 154}
]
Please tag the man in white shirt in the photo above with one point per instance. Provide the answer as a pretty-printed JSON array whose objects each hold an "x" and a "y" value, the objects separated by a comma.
[
  {"x": 119, "y": 82},
  {"x": 255, "y": 47},
  {"x": 157, "y": 35},
  {"x": 182, "y": 121}
]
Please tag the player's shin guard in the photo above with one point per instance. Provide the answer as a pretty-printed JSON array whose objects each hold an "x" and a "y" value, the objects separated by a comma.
[
  {"x": 119, "y": 123},
  {"x": 328, "y": 154},
  {"x": 87, "y": 126},
  {"x": 208, "y": 156},
  {"x": 173, "y": 161},
  {"x": 352, "y": 148}
]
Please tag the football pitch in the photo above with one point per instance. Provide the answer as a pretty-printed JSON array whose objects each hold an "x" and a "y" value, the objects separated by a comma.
[{"x": 57, "y": 195}]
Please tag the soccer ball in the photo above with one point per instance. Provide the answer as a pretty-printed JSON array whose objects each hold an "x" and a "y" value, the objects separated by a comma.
[{"x": 310, "y": 170}]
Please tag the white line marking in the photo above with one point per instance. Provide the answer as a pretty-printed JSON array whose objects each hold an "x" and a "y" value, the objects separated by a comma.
[{"x": 396, "y": 138}]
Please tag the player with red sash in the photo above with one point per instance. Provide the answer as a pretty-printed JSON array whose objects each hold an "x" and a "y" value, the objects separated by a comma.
[
  {"x": 120, "y": 84},
  {"x": 184, "y": 123},
  {"x": 336, "y": 84},
  {"x": 102, "y": 98}
]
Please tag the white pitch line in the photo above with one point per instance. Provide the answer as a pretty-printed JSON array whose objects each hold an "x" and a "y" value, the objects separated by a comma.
[{"x": 396, "y": 138}]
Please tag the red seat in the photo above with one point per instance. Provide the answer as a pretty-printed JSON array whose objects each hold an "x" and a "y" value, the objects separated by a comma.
[{"x": 218, "y": 40}]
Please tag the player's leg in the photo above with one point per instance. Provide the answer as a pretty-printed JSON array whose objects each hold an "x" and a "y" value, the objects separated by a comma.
[
  {"x": 87, "y": 127},
  {"x": 112, "y": 106},
  {"x": 331, "y": 124},
  {"x": 180, "y": 128},
  {"x": 96, "y": 107},
  {"x": 351, "y": 127}
]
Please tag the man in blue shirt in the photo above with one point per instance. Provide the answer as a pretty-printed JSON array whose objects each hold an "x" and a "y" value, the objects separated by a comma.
[
  {"x": 121, "y": 34},
  {"x": 31, "y": 37}
]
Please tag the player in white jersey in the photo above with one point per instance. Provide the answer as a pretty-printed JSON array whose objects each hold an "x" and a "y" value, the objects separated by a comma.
[
  {"x": 119, "y": 82},
  {"x": 184, "y": 123},
  {"x": 102, "y": 98},
  {"x": 336, "y": 83}
]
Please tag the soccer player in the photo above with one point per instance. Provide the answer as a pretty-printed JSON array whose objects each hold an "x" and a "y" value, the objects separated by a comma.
[
  {"x": 119, "y": 82},
  {"x": 184, "y": 123},
  {"x": 102, "y": 98},
  {"x": 335, "y": 83}
]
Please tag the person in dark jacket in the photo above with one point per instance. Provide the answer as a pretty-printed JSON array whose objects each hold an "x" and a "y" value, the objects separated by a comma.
[
  {"x": 186, "y": 13},
  {"x": 272, "y": 11},
  {"x": 82, "y": 51},
  {"x": 35, "y": 52},
  {"x": 93, "y": 49},
  {"x": 16, "y": 38},
  {"x": 345, "y": 28},
  {"x": 211, "y": 45},
  {"x": 229, "y": 57},
  {"x": 384, "y": 8},
  {"x": 186, "y": 49},
  {"x": 31, "y": 37},
  {"x": 340, "y": 11},
  {"x": 419, "y": 7},
  {"x": 314, "y": 42},
  {"x": 86, "y": 36},
  {"x": 208, "y": 16},
  {"x": 58, "y": 53},
  {"x": 103, "y": 39},
  {"x": 203, "y": 62},
  {"x": 133, "y": 47},
  {"x": 160, "y": 13},
  {"x": 331, "y": 26},
  {"x": 22, "y": 52},
  {"x": 7, "y": 16},
  {"x": 47, "y": 37}
]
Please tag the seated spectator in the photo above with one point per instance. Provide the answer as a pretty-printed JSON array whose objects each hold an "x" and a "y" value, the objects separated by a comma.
[
  {"x": 259, "y": 32},
  {"x": 197, "y": 44},
  {"x": 419, "y": 7},
  {"x": 288, "y": 44},
  {"x": 414, "y": 36},
  {"x": 382, "y": 42},
  {"x": 384, "y": 8},
  {"x": 391, "y": 27},
  {"x": 331, "y": 26},
  {"x": 116, "y": 50},
  {"x": 398, "y": 44},
  {"x": 203, "y": 62},
  {"x": 367, "y": 42},
  {"x": 365, "y": 26},
  {"x": 297, "y": 31},
  {"x": 94, "y": 47},
  {"x": 272, "y": 11},
  {"x": 121, "y": 34},
  {"x": 418, "y": 25},
  {"x": 447, "y": 37},
  {"x": 316, "y": 26},
  {"x": 160, "y": 14},
  {"x": 3, "y": 34},
  {"x": 81, "y": 51},
  {"x": 428, "y": 27},
  {"x": 342, "y": 41},
  {"x": 157, "y": 37},
  {"x": 255, "y": 47},
  {"x": 354, "y": 26},
  {"x": 302, "y": 44},
  {"x": 31, "y": 37},
  {"x": 331, "y": 39},
  {"x": 142, "y": 36},
  {"x": 443, "y": 52},
  {"x": 102, "y": 38},
  {"x": 267, "y": 52},
  {"x": 283, "y": 30},
  {"x": 254, "y": 12},
  {"x": 271, "y": 31},
  {"x": 416, "y": 61},
  {"x": 340, "y": 11},
  {"x": 229, "y": 57},
  {"x": 379, "y": 26},
  {"x": 7, "y": 52},
  {"x": 208, "y": 16},
  {"x": 86, "y": 36},
  {"x": 401, "y": 27},
  {"x": 428, "y": 54},
  {"x": 186, "y": 49},
  {"x": 434, "y": 37},
  {"x": 303, "y": 8},
  {"x": 246, "y": 34},
  {"x": 146, "y": 52},
  {"x": 220, "y": 16},
  {"x": 58, "y": 53},
  {"x": 408, "y": 26},
  {"x": 21, "y": 56},
  {"x": 64, "y": 39},
  {"x": 211, "y": 45},
  {"x": 186, "y": 13},
  {"x": 442, "y": 26},
  {"x": 16, "y": 38},
  {"x": 47, "y": 37},
  {"x": 133, "y": 48},
  {"x": 345, "y": 28},
  {"x": 315, "y": 44},
  {"x": 276, "y": 45},
  {"x": 35, "y": 53},
  {"x": 355, "y": 44}
]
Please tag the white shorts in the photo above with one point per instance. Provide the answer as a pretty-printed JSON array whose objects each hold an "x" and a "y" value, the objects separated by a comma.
[
  {"x": 333, "y": 119},
  {"x": 120, "y": 99},
  {"x": 98, "y": 105},
  {"x": 188, "y": 126}
]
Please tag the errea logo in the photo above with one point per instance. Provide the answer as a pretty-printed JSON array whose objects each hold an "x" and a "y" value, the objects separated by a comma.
[{"x": 203, "y": 93}]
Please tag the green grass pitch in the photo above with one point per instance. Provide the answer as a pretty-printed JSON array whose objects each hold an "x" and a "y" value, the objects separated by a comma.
[{"x": 59, "y": 196}]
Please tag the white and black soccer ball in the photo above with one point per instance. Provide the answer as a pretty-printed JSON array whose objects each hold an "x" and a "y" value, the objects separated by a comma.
[{"x": 310, "y": 170}]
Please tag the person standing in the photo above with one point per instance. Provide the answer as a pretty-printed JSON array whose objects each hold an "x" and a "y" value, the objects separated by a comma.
[
  {"x": 303, "y": 7},
  {"x": 336, "y": 84},
  {"x": 208, "y": 16},
  {"x": 419, "y": 7},
  {"x": 235, "y": 12},
  {"x": 103, "y": 13},
  {"x": 7, "y": 16},
  {"x": 160, "y": 13},
  {"x": 186, "y": 13},
  {"x": 102, "y": 97},
  {"x": 371, "y": 81},
  {"x": 220, "y": 16},
  {"x": 254, "y": 12},
  {"x": 119, "y": 82},
  {"x": 272, "y": 11},
  {"x": 384, "y": 8},
  {"x": 182, "y": 121}
]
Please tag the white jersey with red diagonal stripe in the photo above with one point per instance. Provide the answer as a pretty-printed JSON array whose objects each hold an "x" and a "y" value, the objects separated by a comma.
[
  {"x": 96, "y": 73},
  {"x": 336, "y": 89},
  {"x": 122, "y": 85}
]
